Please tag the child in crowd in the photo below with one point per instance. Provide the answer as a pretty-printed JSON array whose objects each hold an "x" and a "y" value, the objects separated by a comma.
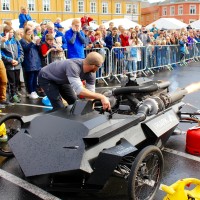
[
  {"x": 12, "y": 56},
  {"x": 118, "y": 59},
  {"x": 46, "y": 49}
]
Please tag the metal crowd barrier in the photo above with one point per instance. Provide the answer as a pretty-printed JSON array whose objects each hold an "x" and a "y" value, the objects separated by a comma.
[{"x": 132, "y": 60}]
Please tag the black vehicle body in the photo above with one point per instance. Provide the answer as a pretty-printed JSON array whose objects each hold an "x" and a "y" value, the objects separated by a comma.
[{"x": 82, "y": 143}]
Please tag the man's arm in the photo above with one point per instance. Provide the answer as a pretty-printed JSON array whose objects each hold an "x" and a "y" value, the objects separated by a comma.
[{"x": 80, "y": 90}]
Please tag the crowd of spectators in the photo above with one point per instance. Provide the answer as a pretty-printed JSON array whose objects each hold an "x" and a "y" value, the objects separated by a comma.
[{"x": 30, "y": 48}]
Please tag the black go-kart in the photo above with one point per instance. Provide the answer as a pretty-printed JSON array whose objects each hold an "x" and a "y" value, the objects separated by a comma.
[{"x": 81, "y": 146}]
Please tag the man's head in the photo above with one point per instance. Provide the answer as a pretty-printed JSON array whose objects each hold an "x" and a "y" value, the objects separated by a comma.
[
  {"x": 76, "y": 24},
  {"x": 92, "y": 62}
]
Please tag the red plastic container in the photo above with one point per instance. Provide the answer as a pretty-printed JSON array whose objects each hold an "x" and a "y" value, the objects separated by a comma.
[{"x": 193, "y": 141}]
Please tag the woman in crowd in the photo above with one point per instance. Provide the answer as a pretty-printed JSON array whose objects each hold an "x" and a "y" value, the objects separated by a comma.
[
  {"x": 135, "y": 53},
  {"x": 12, "y": 56},
  {"x": 32, "y": 61}
]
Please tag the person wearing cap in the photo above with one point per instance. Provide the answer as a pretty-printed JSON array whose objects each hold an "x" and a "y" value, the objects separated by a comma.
[
  {"x": 88, "y": 42},
  {"x": 62, "y": 79},
  {"x": 24, "y": 17},
  {"x": 75, "y": 40}
]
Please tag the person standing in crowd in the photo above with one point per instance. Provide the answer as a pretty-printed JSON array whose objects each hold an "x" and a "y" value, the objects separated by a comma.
[
  {"x": 135, "y": 53},
  {"x": 88, "y": 43},
  {"x": 24, "y": 17},
  {"x": 85, "y": 20},
  {"x": 57, "y": 23},
  {"x": 154, "y": 28},
  {"x": 12, "y": 56},
  {"x": 3, "y": 75},
  {"x": 43, "y": 26},
  {"x": 112, "y": 38},
  {"x": 32, "y": 61},
  {"x": 46, "y": 49},
  {"x": 75, "y": 40},
  {"x": 104, "y": 33},
  {"x": 70, "y": 72},
  {"x": 111, "y": 26},
  {"x": 124, "y": 38}
]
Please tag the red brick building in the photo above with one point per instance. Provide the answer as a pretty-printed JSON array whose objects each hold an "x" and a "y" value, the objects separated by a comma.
[{"x": 185, "y": 11}]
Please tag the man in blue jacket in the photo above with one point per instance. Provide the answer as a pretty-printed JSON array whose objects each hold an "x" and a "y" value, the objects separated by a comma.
[{"x": 75, "y": 40}]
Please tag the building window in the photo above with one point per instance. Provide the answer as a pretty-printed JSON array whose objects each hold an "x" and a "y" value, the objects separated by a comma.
[
  {"x": 164, "y": 11},
  {"x": 192, "y": 9},
  {"x": 180, "y": 10},
  {"x": 128, "y": 8},
  {"x": 46, "y": 5},
  {"x": 134, "y": 9},
  {"x": 104, "y": 7},
  {"x": 93, "y": 7},
  {"x": 31, "y": 5},
  {"x": 80, "y": 6},
  {"x": 5, "y": 5},
  {"x": 172, "y": 10},
  {"x": 118, "y": 8},
  {"x": 68, "y": 6}
]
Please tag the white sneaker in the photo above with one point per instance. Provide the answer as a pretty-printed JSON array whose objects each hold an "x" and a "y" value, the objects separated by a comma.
[
  {"x": 36, "y": 94},
  {"x": 33, "y": 96}
]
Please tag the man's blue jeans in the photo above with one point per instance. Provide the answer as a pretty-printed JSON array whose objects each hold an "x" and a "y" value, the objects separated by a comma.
[{"x": 55, "y": 91}]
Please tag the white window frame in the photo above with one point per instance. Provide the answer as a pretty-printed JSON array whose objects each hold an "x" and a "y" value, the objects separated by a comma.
[
  {"x": 128, "y": 8},
  {"x": 172, "y": 10},
  {"x": 31, "y": 5},
  {"x": 193, "y": 10},
  {"x": 105, "y": 7},
  {"x": 46, "y": 5},
  {"x": 80, "y": 6},
  {"x": 93, "y": 7},
  {"x": 5, "y": 3},
  {"x": 164, "y": 11},
  {"x": 118, "y": 8},
  {"x": 104, "y": 21},
  {"x": 180, "y": 10},
  {"x": 68, "y": 6},
  {"x": 135, "y": 9},
  {"x": 46, "y": 20}
]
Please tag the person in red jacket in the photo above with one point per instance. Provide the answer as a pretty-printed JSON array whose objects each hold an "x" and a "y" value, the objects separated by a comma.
[
  {"x": 85, "y": 20},
  {"x": 124, "y": 38}
]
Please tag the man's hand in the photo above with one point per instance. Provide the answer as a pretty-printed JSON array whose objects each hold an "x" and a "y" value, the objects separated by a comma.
[
  {"x": 105, "y": 103},
  {"x": 14, "y": 62}
]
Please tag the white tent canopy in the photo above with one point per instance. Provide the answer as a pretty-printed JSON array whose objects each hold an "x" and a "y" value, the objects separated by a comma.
[
  {"x": 196, "y": 24},
  {"x": 68, "y": 23},
  {"x": 15, "y": 24},
  {"x": 167, "y": 23},
  {"x": 127, "y": 23}
]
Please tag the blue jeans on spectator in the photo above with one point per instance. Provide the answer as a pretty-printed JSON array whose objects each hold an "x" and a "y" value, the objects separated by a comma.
[
  {"x": 55, "y": 91},
  {"x": 132, "y": 66},
  {"x": 31, "y": 81}
]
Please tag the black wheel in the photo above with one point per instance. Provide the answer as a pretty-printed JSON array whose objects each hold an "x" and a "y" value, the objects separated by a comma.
[
  {"x": 146, "y": 171},
  {"x": 12, "y": 123}
]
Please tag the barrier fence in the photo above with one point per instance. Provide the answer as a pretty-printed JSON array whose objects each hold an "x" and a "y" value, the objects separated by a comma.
[{"x": 131, "y": 60}]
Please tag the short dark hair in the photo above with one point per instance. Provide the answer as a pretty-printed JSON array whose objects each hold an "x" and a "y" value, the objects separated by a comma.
[{"x": 114, "y": 29}]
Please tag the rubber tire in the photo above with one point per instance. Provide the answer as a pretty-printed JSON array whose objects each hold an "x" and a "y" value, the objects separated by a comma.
[
  {"x": 4, "y": 119},
  {"x": 136, "y": 165}
]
